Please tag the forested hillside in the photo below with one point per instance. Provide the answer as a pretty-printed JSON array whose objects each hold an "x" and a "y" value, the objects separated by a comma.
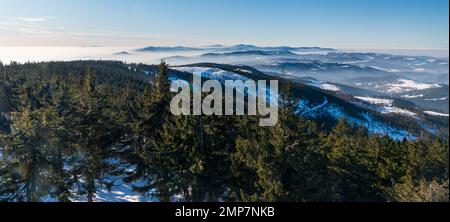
[{"x": 67, "y": 128}]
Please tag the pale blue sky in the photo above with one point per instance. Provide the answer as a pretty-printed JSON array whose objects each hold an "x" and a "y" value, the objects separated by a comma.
[{"x": 326, "y": 23}]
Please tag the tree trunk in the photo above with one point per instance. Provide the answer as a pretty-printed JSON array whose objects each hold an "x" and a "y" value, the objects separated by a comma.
[{"x": 90, "y": 187}]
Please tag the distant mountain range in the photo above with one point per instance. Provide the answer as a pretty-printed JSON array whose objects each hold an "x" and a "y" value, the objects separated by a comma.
[
  {"x": 168, "y": 49},
  {"x": 254, "y": 52},
  {"x": 234, "y": 48},
  {"x": 420, "y": 80}
]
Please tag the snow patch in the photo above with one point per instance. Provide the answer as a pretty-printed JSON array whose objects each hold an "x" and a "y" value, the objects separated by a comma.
[
  {"x": 329, "y": 87},
  {"x": 393, "y": 109},
  {"x": 305, "y": 110},
  {"x": 436, "y": 99},
  {"x": 376, "y": 101},
  {"x": 419, "y": 70},
  {"x": 355, "y": 62},
  {"x": 212, "y": 73},
  {"x": 412, "y": 96},
  {"x": 406, "y": 85},
  {"x": 383, "y": 69},
  {"x": 325, "y": 86},
  {"x": 121, "y": 192},
  {"x": 242, "y": 70},
  {"x": 432, "y": 113},
  {"x": 386, "y": 106}
]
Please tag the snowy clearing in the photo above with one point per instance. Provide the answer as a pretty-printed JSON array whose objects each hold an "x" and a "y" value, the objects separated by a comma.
[
  {"x": 376, "y": 101},
  {"x": 386, "y": 106},
  {"x": 329, "y": 87},
  {"x": 406, "y": 85},
  {"x": 212, "y": 73},
  {"x": 412, "y": 96}
]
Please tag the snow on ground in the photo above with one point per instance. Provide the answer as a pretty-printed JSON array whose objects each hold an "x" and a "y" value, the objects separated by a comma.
[
  {"x": 432, "y": 113},
  {"x": 392, "y": 109},
  {"x": 49, "y": 199},
  {"x": 378, "y": 128},
  {"x": 374, "y": 127},
  {"x": 419, "y": 70},
  {"x": 406, "y": 85},
  {"x": 386, "y": 106},
  {"x": 222, "y": 75},
  {"x": 436, "y": 99},
  {"x": 310, "y": 110},
  {"x": 356, "y": 61},
  {"x": 383, "y": 69},
  {"x": 376, "y": 101},
  {"x": 118, "y": 192},
  {"x": 329, "y": 87},
  {"x": 242, "y": 70},
  {"x": 121, "y": 192},
  {"x": 304, "y": 108},
  {"x": 412, "y": 96},
  {"x": 322, "y": 85},
  {"x": 212, "y": 73}
]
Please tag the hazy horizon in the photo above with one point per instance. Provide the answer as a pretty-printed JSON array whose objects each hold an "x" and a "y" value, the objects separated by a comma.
[{"x": 24, "y": 54}]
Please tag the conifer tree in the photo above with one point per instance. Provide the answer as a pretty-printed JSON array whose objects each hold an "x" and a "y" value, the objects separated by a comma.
[
  {"x": 95, "y": 137},
  {"x": 151, "y": 150},
  {"x": 25, "y": 151}
]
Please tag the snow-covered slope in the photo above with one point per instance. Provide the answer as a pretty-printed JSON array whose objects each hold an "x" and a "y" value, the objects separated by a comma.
[{"x": 319, "y": 105}]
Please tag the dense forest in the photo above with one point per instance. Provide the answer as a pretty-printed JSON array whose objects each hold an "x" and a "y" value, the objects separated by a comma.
[{"x": 67, "y": 127}]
